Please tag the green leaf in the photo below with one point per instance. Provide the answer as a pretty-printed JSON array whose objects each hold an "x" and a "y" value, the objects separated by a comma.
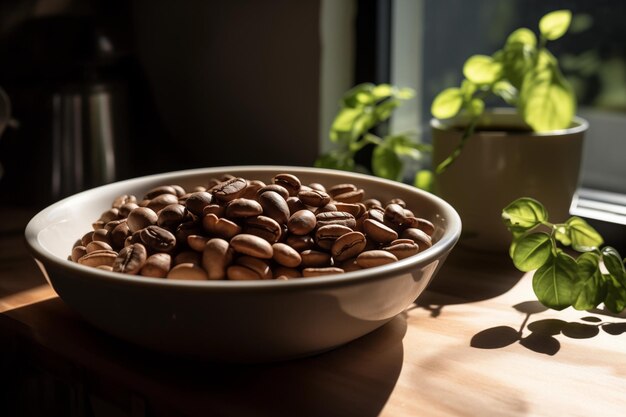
[
  {"x": 447, "y": 103},
  {"x": 532, "y": 251},
  {"x": 342, "y": 127},
  {"x": 590, "y": 289},
  {"x": 522, "y": 36},
  {"x": 358, "y": 96},
  {"x": 385, "y": 163},
  {"x": 562, "y": 234},
  {"x": 405, "y": 93},
  {"x": 506, "y": 91},
  {"x": 547, "y": 101},
  {"x": 482, "y": 69},
  {"x": 475, "y": 107},
  {"x": 554, "y": 282},
  {"x": 584, "y": 237},
  {"x": 336, "y": 159},
  {"x": 615, "y": 295},
  {"x": 613, "y": 263},
  {"x": 524, "y": 214},
  {"x": 468, "y": 89},
  {"x": 424, "y": 180},
  {"x": 383, "y": 110},
  {"x": 554, "y": 25}
]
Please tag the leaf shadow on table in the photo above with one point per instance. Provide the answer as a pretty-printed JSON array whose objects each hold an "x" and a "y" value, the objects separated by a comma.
[
  {"x": 469, "y": 276},
  {"x": 353, "y": 380},
  {"x": 543, "y": 333}
]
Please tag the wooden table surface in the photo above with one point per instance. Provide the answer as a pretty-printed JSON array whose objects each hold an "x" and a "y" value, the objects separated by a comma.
[{"x": 475, "y": 344}]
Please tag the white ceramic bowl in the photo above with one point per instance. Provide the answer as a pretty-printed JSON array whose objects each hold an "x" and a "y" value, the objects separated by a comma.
[{"x": 238, "y": 321}]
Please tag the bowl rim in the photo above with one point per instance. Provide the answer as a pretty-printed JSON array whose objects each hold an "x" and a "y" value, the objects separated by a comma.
[{"x": 439, "y": 249}]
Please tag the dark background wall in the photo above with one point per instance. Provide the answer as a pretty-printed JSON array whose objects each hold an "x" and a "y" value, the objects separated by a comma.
[{"x": 196, "y": 83}]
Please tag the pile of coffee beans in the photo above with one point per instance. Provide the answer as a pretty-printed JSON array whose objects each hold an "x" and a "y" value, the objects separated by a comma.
[{"x": 241, "y": 229}]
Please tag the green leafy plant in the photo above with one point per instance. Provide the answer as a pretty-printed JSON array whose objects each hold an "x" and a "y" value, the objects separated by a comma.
[
  {"x": 597, "y": 276},
  {"x": 523, "y": 73},
  {"x": 363, "y": 108}
]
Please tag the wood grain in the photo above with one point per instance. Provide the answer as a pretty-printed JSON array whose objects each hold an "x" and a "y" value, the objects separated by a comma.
[{"x": 475, "y": 344}]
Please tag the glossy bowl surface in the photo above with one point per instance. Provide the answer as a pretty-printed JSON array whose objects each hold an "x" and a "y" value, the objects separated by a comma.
[{"x": 235, "y": 321}]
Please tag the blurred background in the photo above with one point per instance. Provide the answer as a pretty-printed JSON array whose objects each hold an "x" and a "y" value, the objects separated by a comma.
[{"x": 107, "y": 90}]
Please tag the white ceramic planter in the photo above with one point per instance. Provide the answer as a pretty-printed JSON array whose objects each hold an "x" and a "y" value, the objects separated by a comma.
[{"x": 501, "y": 162}]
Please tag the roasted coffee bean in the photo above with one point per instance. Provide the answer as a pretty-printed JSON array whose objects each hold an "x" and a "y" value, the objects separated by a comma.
[
  {"x": 378, "y": 232},
  {"x": 243, "y": 207},
  {"x": 355, "y": 196},
  {"x": 113, "y": 224},
  {"x": 274, "y": 206},
  {"x": 123, "y": 199},
  {"x": 263, "y": 227},
  {"x": 350, "y": 265},
  {"x": 258, "y": 266},
  {"x": 295, "y": 204},
  {"x": 157, "y": 239},
  {"x": 197, "y": 201},
  {"x": 418, "y": 236},
  {"x": 161, "y": 201},
  {"x": 372, "y": 258},
  {"x": 252, "y": 245},
  {"x": 216, "y": 256},
  {"x": 394, "y": 213},
  {"x": 325, "y": 236},
  {"x": 282, "y": 191},
  {"x": 214, "y": 209},
  {"x": 99, "y": 257},
  {"x": 314, "y": 259},
  {"x": 348, "y": 246},
  {"x": 251, "y": 190},
  {"x": 285, "y": 255},
  {"x": 229, "y": 189},
  {"x": 220, "y": 227},
  {"x": 356, "y": 209},
  {"x": 317, "y": 186},
  {"x": 97, "y": 245},
  {"x": 197, "y": 242},
  {"x": 186, "y": 229},
  {"x": 301, "y": 222},
  {"x": 325, "y": 209},
  {"x": 335, "y": 217},
  {"x": 241, "y": 273},
  {"x": 98, "y": 224},
  {"x": 187, "y": 271},
  {"x": 160, "y": 190},
  {"x": 126, "y": 208},
  {"x": 283, "y": 272},
  {"x": 426, "y": 226},
  {"x": 179, "y": 190},
  {"x": 110, "y": 215},
  {"x": 290, "y": 182},
  {"x": 287, "y": 228},
  {"x": 101, "y": 235},
  {"x": 397, "y": 201},
  {"x": 188, "y": 256},
  {"x": 157, "y": 265},
  {"x": 171, "y": 216},
  {"x": 403, "y": 250},
  {"x": 105, "y": 268},
  {"x": 300, "y": 243},
  {"x": 372, "y": 202},
  {"x": 317, "y": 272},
  {"x": 131, "y": 259},
  {"x": 141, "y": 217},
  {"x": 314, "y": 198},
  {"x": 78, "y": 252},
  {"x": 339, "y": 189}
]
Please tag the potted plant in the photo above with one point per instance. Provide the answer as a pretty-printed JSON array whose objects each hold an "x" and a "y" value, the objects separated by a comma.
[{"x": 485, "y": 158}]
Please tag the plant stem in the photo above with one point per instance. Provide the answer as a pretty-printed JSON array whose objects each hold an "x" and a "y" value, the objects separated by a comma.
[{"x": 457, "y": 151}]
